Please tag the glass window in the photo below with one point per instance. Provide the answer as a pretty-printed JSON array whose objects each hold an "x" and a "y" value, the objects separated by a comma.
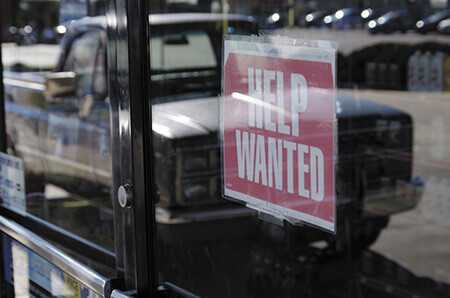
[
  {"x": 58, "y": 123},
  {"x": 26, "y": 274},
  {"x": 195, "y": 46},
  {"x": 388, "y": 88}
]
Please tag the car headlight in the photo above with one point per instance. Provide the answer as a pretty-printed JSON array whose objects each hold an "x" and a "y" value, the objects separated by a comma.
[
  {"x": 339, "y": 14},
  {"x": 328, "y": 19},
  {"x": 366, "y": 13},
  {"x": 372, "y": 24}
]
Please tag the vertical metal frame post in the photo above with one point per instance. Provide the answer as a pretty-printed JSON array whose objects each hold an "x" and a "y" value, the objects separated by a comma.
[
  {"x": 2, "y": 135},
  {"x": 142, "y": 149},
  {"x": 129, "y": 74},
  {"x": 3, "y": 141}
]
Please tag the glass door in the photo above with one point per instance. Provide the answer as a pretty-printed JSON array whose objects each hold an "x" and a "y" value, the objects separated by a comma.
[
  {"x": 67, "y": 216},
  {"x": 298, "y": 148}
]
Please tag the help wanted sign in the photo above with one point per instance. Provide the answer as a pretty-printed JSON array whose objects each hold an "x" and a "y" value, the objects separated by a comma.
[{"x": 279, "y": 129}]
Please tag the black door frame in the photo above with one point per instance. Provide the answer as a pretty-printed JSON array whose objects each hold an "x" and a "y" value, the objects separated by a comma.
[
  {"x": 142, "y": 147},
  {"x": 128, "y": 64},
  {"x": 2, "y": 102},
  {"x": 129, "y": 73}
]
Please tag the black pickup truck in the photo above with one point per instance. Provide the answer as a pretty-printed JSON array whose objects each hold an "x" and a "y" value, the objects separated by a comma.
[{"x": 59, "y": 123}]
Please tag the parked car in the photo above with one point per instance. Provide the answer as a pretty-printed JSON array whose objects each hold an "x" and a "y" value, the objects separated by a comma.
[
  {"x": 393, "y": 21},
  {"x": 430, "y": 23},
  {"x": 444, "y": 26},
  {"x": 274, "y": 21},
  {"x": 370, "y": 14},
  {"x": 62, "y": 119},
  {"x": 347, "y": 18},
  {"x": 315, "y": 19},
  {"x": 328, "y": 20},
  {"x": 29, "y": 34}
]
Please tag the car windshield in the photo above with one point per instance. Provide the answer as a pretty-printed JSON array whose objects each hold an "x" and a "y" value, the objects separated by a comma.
[
  {"x": 187, "y": 59},
  {"x": 186, "y": 50}
]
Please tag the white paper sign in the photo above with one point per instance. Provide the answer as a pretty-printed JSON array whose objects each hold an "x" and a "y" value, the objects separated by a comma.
[{"x": 12, "y": 183}]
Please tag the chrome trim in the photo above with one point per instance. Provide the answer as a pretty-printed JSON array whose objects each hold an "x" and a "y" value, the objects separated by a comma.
[
  {"x": 120, "y": 294},
  {"x": 83, "y": 274},
  {"x": 24, "y": 84},
  {"x": 403, "y": 197},
  {"x": 64, "y": 162},
  {"x": 163, "y": 216}
]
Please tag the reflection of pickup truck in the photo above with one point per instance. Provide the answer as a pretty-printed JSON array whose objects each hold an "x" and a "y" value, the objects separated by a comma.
[{"x": 59, "y": 124}]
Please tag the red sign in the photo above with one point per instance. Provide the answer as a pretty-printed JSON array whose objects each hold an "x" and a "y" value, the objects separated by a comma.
[{"x": 278, "y": 130}]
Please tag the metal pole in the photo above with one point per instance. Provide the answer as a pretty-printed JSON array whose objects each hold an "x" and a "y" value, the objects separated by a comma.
[
  {"x": 3, "y": 142},
  {"x": 291, "y": 13}
]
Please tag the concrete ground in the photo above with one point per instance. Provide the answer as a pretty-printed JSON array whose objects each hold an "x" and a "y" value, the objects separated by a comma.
[{"x": 420, "y": 239}]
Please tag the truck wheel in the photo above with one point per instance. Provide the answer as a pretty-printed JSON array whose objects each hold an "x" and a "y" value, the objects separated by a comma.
[{"x": 369, "y": 231}]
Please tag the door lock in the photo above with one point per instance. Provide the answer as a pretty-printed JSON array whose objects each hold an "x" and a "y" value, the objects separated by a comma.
[{"x": 125, "y": 196}]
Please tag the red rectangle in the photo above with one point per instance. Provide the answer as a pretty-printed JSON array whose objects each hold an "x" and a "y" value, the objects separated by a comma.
[{"x": 278, "y": 130}]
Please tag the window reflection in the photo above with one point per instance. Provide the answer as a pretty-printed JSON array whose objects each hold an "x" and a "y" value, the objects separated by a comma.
[
  {"x": 29, "y": 275},
  {"x": 391, "y": 77},
  {"x": 195, "y": 46},
  {"x": 393, "y": 74},
  {"x": 58, "y": 114}
]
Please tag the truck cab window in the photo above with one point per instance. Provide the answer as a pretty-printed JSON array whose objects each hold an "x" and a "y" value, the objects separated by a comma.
[{"x": 195, "y": 45}]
